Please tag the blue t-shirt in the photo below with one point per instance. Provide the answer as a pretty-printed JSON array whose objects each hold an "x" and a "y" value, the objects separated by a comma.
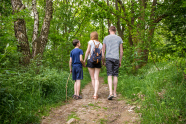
[{"x": 75, "y": 53}]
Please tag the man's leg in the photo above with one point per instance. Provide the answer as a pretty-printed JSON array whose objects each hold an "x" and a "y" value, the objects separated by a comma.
[
  {"x": 115, "y": 85},
  {"x": 115, "y": 75},
  {"x": 110, "y": 84},
  {"x": 109, "y": 65}
]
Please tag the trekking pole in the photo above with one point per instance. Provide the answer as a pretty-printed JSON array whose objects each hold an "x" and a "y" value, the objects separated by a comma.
[{"x": 67, "y": 86}]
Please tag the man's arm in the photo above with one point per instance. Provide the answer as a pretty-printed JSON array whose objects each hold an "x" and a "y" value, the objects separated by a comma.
[
  {"x": 121, "y": 53},
  {"x": 81, "y": 60},
  {"x": 103, "y": 53},
  {"x": 70, "y": 64}
]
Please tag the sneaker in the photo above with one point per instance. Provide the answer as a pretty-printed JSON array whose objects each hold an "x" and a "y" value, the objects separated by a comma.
[
  {"x": 74, "y": 96},
  {"x": 78, "y": 97},
  {"x": 110, "y": 97}
]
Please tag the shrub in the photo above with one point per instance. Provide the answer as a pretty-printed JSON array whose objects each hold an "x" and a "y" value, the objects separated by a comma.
[
  {"x": 25, "y": 95},
  {"x": 161, "y": 94}
]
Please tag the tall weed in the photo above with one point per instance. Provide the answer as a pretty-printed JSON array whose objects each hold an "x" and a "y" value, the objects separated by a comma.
[
  {"x": 25, "y": 96},
  {"x": 160, "y": 95}
]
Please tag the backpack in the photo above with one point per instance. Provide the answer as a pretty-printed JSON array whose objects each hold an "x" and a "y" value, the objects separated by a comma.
[{"x": 96, "y": 55}]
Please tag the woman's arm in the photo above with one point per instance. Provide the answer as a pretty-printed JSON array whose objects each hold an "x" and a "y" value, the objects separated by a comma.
[
  {"x": 81, "y": 60},
  {"x": 87, "y": 52}
]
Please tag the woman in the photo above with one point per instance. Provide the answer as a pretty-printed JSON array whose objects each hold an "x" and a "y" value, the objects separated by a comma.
[{"x": 94, "y": 69}]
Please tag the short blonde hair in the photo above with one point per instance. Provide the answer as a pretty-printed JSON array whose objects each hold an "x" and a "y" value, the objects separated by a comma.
[{"x": 94, "y": 36}]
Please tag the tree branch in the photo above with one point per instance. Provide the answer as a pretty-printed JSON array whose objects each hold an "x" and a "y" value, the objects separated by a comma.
[
  {"x": 111, "y": 12},
  {"x": 43, "y": 39},
  {"x": 36, "y": 21},
  {"x": 79, "y": 26},
  {"x": 160, "y": 18}
]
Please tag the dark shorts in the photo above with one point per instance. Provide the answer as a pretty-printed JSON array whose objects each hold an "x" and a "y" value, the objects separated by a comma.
[
  {"x": 91, "y": 65},
  {"x": 77, "y": 73},
  {"x": 112, "y": 66}
]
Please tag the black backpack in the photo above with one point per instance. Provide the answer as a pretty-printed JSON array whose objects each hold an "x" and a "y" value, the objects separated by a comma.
[{"x": 96, "y": 55}]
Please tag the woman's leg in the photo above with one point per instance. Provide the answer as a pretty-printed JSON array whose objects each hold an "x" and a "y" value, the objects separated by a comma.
[
  {"x": 96, "y": 76},
  {"x": 91, "y": 72}
]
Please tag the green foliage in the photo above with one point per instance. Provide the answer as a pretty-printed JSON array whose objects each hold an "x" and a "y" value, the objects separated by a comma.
[
  {"x": 160, "y": 94},
  {"x": 25, "y": 95}
]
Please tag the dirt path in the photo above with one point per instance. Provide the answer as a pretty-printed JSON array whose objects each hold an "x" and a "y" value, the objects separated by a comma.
[{"x": 90, "y": 111}]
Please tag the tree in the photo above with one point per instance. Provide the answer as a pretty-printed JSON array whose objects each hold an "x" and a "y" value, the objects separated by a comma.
[
  {"x": 38, "y": 42},
  {"x": 137, "y": 20}
]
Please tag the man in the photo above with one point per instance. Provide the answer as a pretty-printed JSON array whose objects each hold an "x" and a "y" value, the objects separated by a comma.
[{"x": 113, "y": 44}]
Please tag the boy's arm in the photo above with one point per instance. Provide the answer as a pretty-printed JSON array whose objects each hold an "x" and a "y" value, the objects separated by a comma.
[
  {"x": 70, "y": 64},
  {"x": 81, "y": 60},
  {"x": 121, "y": 53},
  {"x": 103, "y": 53}
]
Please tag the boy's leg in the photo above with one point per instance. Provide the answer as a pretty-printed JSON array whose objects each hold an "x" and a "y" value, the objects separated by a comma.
[
  {"x": 74, "y": 78},
  {"x": 78, "y": 85},
  {"x": 96, "y": 75},
  {"x": 115, "y": 84},
  {"x": 91, "y": 72},
  {"x": 75, "y": 91}
]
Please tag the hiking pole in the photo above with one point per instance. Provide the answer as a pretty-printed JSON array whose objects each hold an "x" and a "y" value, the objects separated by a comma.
[{"x": 67, "y": 84}]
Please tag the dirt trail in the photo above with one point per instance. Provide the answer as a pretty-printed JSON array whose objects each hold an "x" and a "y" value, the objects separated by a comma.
[{"x": 90, "y": 111}]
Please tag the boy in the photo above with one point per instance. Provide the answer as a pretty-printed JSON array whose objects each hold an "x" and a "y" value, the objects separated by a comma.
[{"x": 75, "y": 65}]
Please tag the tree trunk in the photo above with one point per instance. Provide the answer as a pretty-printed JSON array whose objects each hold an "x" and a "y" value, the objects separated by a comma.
[
  {"x": 36, "y": 27},
  {"x": 141, "y": 56},
  {"x": 41, "y": 41},
  {"x": 20, "y": 33},
  {"x": 118, "y": 22},
  {"x": 108, "y": 19}
]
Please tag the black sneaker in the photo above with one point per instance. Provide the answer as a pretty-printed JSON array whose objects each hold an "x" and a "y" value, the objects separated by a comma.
[
  {"x": 74, "y": 96},
  {"x": 78, "y": 97},
  {"x": 110, "y": 97}
]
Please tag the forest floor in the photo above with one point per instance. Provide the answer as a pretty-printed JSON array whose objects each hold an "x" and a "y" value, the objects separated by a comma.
[{"x": 90, "y": 111}]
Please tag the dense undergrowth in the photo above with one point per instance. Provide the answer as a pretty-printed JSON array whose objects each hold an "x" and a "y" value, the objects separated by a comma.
[
  {"x": 160, "y": 96},
  {"x": 26, "y": 96}
]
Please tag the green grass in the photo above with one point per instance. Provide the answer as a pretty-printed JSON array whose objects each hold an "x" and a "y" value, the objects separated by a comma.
[
  {"x": 161, "y": 94},
  {"x": 73, "y": 115},
  {"x": 103, "y": 121},
  {"x": 105, "y": 108},
  {"x": 26, "y": 96}
]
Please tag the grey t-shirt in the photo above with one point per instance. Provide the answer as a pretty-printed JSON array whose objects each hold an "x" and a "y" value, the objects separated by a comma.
[
  {"x": 112, "y": 43},
  {"x": 93, "y": 46}
]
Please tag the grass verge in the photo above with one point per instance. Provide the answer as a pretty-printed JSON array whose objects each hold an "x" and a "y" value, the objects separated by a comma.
[
  {"x": 161, "y": 95},
  {"x": 26, "y": 96}
]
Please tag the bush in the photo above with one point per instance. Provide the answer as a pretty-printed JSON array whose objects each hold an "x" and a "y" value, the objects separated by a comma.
[
  {"x": 161, "y": 94},
  {"x": 25, "y": 95}
]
